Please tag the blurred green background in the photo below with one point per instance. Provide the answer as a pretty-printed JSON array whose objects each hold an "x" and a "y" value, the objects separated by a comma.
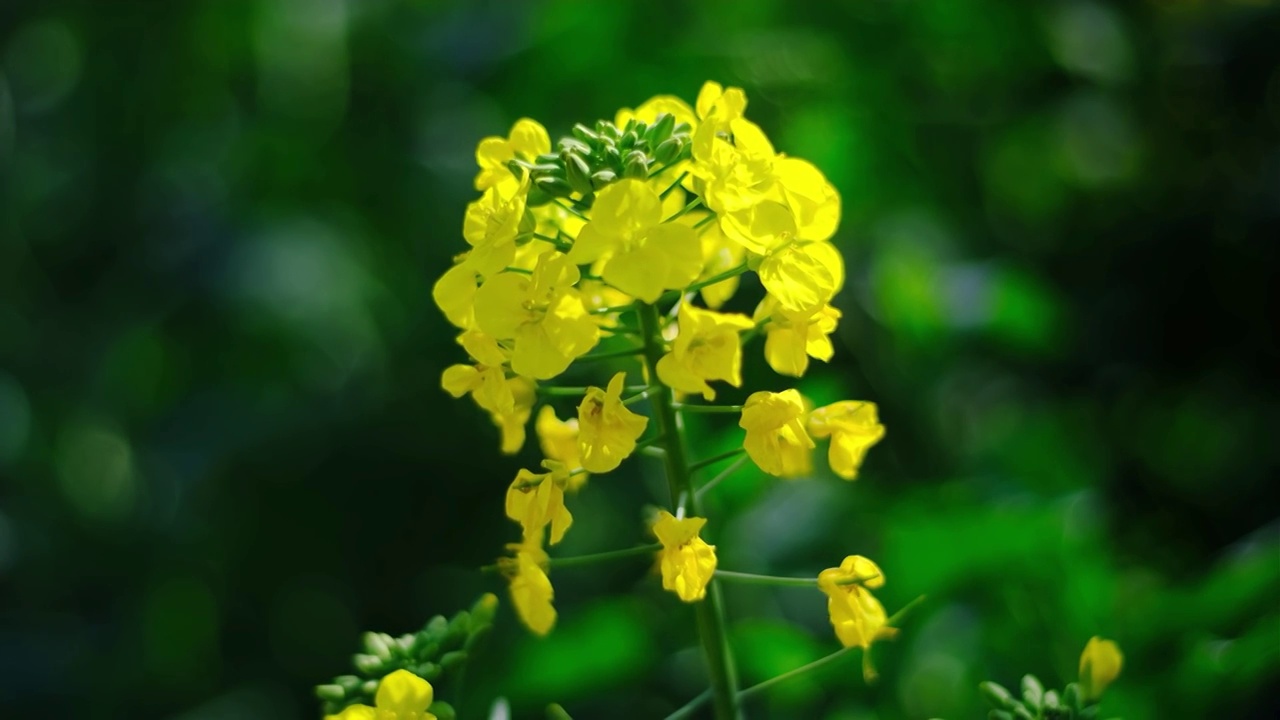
[{"x": 225, "y": 452}]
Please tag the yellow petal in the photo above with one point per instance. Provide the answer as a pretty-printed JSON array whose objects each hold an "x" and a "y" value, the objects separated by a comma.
[
  {"x": 402, "y": 692},
  {"x": 1100, "y": 665}
]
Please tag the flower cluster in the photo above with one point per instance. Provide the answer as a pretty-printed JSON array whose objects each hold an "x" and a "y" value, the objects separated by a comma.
[
  {"x": 625, "y": 241},
  {"x": 1100, "y": 665}
]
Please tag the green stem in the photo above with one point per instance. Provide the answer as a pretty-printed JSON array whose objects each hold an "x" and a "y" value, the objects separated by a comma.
[
  {"x": 683, "y": 407},
  {"x": 663, "y": 195},
  {"x": 692, "y": 205},
  {"x": 721, "y": 277},
  {"x": 724, "y": 474},
  {"x": 604, "y": 556},
  {"x": 577, "y": 391},
  {"x": 761, "y": 687},
  {"x": 753, "y": 579},
  {"x": 709, "y": 612},
  {"x": 629, "y": 352},
  {"x": 716, "y": 458}
]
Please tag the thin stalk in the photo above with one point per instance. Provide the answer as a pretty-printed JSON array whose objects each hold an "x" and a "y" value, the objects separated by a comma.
[
  {"x": 610, "y": 310},
  {"x": 572, "y": 210},
  {"x": 688, "y": 708},
  {"x": 709, "y": 612},
  {"x": 663, "y": 195},
  {"x": 576, "y": 391},
  {"x": 761, "y": 687},
  {"x": 592, "y": 558},
  {"x": 628, "y": 352},
  {"x": 716, "y": 458},
  {"x": 720, "y": 277},
  {"x": 753, "y": 579},
  {"x": 724, "y": 474},
  {"x": 685, "y": 407},
  {"x": 694, "y": 204}
]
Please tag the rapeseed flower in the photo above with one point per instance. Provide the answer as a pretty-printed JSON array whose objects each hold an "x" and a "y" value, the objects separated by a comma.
[
  {"x": 857, "y": 616},
  {"x": 791, "y": 338},
  {"x": 686, "y": 560},
  {"x": 707, "y": 347},
  {"x": 1100, "y": 665},
  {"x": 853, "y": 429},
  {"x": 776, "y": 439},
  {"x": 607, "y": 430},
  {"x": 536, "y": 501}
]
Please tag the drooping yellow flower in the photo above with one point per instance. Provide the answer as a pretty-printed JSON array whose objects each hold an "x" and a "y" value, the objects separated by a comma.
[
  {"x": 708, "y": 347},
  {"x": 856, "y": 615},
  {"x": 791, "y": 338},
  {"x": 642, "y": 256},
  {"x": 803, "y": 277},
  {"x": 1100, "y": 664},
  {"x": 536, "y": 501},
  {"x": 776, "y": 439},
  {"x": 531, "y": 591},
  {"x": 853, "y": 429},
  {"x": 686, "y": 560},
  {"x": 541, "y": 312},
  {"x": 527, "y": 140},
  {"x": 508, "y": 400},
  {"x": 401, "y": 696},
  {"x": 607, "y": 430},
  {"x": 491, "y": 226},
  {"x": 512, "y": 424},
  {"x": 559, "y": 441}
]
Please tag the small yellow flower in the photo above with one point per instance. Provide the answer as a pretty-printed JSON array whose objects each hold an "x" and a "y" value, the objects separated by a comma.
[
  {"x": 686, "y": 560},
  {"x": 857, "y": 616},
  {"x": 642, "y": 255},
  {"x": 491, "y": 226},
  {"x": 803, "y": 277},
  {"x": 455, "y": 294},
  {"x": 527, "y": 140},
  {"x": 1100, "y": 664},
  {"x": 708, "y": 347},
  {"x": 776, "y": 439},
  {"x": 536, "y": 501},
  {"x": 716, "y": 107},
  {"x": 853, "y": 429},
  {"x": 558, "y": 440},
  {"x": 607, "y": 430},
  {"x": 401, "y": 696},
  {"x": 531, "y": 591},
  {"x": 542, "y": 313},
  {"x": 791, "y": 338},
  {"x": 512, "y": 424}
]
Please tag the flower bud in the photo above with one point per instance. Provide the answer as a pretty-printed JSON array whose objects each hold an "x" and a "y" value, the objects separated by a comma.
[
  {"x": 553, "y": 186},
  {"x": 577, "y": 172},
  {"x": 330, "y": 693},
  {"x": 1100, "y": 664},
  {"x": 368, "y": 664},
  {"x": 1032, "y": 691},
  {"x": 585, "y": 134},
  {"x": 668, "y": 151},
  {"x": 603, "y": 178},
  {"x": 636, "y": 165},
  {"x": 661, "y": 129},
  {"x": 378, "y": 645},
  {"x": 996, "y": 695},
  {"x": 574, "y": 145},
  {"x": 452, "y": 659}
]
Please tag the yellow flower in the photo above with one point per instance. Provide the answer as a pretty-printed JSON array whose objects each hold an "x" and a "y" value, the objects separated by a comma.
[
  {"x": 642, "y": 255},
  {"x": 803, "y": 277},
  {"x": 736, "y": 176},
  {"x": 401, "y": 696},
  {"x": 650, "y": 109},
  {"x": 707, "y": 347},
  {"x": 509, "y": 401},
  {"x": 856, "y": 615},
  {"x": 719, "y": 255},
  {"x": 455, "y": 294},
  {"x": 537, "y": 501},
  {"x": 853, "y": 429},
  {"x": 813, "y": 200},
  {"x": 531, "y": 591},
  {"x": 791, "y": 338},
  {"x": 491, "y": 225},
  {"x": 1100, "y": 664},
  {"x": 559, "y": 441},
  {"x": 512, "y": 424},
  {"x": 527, "y": 140},
  {"x": 541, "y": 312},
  {"x": 607, "y": 430},
  {"x": 687, "y": 561},
  {"x": 776, "y": 439},
  {"x": 716, "y": 108}
]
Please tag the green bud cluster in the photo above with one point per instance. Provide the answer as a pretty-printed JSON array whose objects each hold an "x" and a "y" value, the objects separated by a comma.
[
  {"x": 1037, "y": 703},
  {"x": 592, "y": 159},
  {"x": 442, "y": 646}
]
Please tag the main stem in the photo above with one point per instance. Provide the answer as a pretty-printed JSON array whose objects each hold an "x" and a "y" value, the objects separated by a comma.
[{"x": 710, "y": 612}]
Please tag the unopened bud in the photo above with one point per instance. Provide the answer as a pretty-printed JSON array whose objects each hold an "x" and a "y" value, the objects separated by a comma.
[
  {"x": 554, "y": 186},
  {"x": 603, "y": 178},
  {"x": 330, "y": 693},
  {"x": 661, "y": 129},
  {"x": 368, "y": 664},
  {"x": 668, "y": 151},
  {"x": 577, "y": 172},
  {"x": 585, "y": 134},
  {"x": 378, "y": 645},
  {"x": 574, "y": 145},
  {"x": 636, "y": 165}
]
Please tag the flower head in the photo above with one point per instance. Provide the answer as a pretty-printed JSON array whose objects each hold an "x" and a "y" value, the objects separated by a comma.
[
  {"x": 708, "y": 347},
  {"x": 607, "y": 430},
  {"x": 1100, "y": 664},
  {"x": 776, "y": 439},
  {"x": 856, "y": 615},
  {"x": 853, "y": 429},
  {"x": 686, "y": 560},
  {"x": 536, "y": 500},
  {"x": 401, "y": 696}
]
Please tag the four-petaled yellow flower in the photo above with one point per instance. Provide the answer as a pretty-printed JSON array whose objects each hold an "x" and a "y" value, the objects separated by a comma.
[
  {"x": 856, "y": 615},
  {"x": 686, "y": 560},
  {"x": 491, "y": 226},
  {"x": 508, "y": 400},
  {"x": 1100, "y": 664},
  {"x": 531, "y": 591},
  {"x": 642, "y": 255},
  {"x": 791, "y": 337},
  {"x": 401, "y": 696},
  {"x": 776, "y": 439},
  {"x": 558, "y": 440},
  {"x": 607, "y": 430},
  {"x": 527, "y": 140},
  {"x": 542, "y": 313},
  {"x": 536, "y": 500},
  {"x": 708, "y": 347},
  {"x": 853, "y": 429}
]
